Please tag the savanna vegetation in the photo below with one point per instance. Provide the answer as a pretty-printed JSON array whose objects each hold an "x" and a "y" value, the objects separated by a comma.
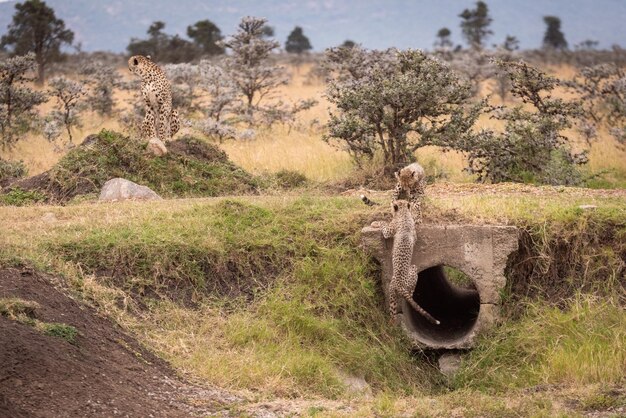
[{"x": 249, "y": 275}]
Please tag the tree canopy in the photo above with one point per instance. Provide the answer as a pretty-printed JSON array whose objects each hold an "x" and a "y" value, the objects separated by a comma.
[
  {"x": 394, "y": 102},
  {"x": 35, "y": 28},
  {"x": 163, "y": 47},
  {"x": 205, "y": 34},
  {"x": 475, "y": 25},
  {"x": 553, "y": 38},
  {"x": 297, "y": 42}
]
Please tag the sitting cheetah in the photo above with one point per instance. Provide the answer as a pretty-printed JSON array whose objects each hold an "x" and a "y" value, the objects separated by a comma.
[
  {"x": 404, "y": 279},
  {"x": 412, "y": 180},
  {"x": 161, "y": 120}
]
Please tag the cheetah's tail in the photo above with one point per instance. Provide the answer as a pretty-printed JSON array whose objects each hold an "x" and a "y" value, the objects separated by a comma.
[
  {"x": 174, "y": 122},
  {"x": 368, "y": 202},
  {"x": 423, "y": 312}
]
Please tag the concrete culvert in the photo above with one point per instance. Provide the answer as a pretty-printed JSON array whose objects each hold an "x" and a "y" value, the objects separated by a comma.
[
  {"x": 456, "y": 305},
  {"x": 443, "y": 254}
]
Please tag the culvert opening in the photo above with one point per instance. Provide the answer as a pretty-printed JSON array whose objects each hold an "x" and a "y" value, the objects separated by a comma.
[{"x": 450, "y": 296}]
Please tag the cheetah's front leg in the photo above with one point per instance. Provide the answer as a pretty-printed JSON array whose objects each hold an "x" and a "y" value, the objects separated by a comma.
[
  {"x": 388, "y": 229},
  {"x": 165, "y": 113},
  {"x": 148, "y": 128}
]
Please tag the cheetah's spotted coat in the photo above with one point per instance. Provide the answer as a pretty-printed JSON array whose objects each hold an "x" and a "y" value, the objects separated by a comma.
[
  {"x": 161, "y": 120},
  {"x": 404, "y": 279},
  {"x": 412, "y": 180}
]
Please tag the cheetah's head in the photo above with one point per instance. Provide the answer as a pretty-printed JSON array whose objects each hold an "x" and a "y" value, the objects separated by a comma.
[
  {"x": 137, "y": 64},
  {"x": 400, "y": 205},
  {"x": 406, "y": 177}
]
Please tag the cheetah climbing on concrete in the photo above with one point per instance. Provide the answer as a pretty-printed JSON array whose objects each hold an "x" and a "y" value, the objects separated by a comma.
[
  {"x": 161, "y": 120},
  {"x": 404, "y": 279},
  {"x": 412, "y": 180}
]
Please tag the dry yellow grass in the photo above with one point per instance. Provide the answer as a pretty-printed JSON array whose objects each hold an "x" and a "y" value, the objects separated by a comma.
[{"x": 302, "y": 147}]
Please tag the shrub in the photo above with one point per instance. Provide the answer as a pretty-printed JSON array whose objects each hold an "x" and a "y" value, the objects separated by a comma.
[
  {"x": 395, "y": 102},
  {"x": 289, "y": 179},
  {"x": 532, "y": 146},
  {"x": 11, "y": 170},
  {"x": 20, "y": 197}
]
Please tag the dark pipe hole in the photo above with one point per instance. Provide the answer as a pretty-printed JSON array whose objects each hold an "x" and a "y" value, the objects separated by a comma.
[{"x": 449, "y": 296}]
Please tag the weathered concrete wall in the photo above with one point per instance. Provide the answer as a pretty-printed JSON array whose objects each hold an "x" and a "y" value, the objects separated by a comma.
[{"x": 481, "y": 252}]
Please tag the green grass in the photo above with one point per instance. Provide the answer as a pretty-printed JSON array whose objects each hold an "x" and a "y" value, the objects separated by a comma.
[
  {"x": 584, "y": 343},
  {"x": 59, "y": 330},
  {"x": 281, "y": 288},
  {"x": 23, "y": 311},
  {"x": 21, "y": 197},
  {"x": 14, "y": 308},
  {"x": 273, "y": 294}
]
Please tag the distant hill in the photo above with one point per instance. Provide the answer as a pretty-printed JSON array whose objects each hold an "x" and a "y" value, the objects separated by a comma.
[{"x": 108, "y": 25}]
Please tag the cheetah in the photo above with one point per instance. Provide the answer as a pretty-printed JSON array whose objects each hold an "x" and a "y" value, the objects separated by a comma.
[
  {"x": 404, "y": 278},
  {"x": 412, "y": 180},
  {"x": 161, "y": 120}
]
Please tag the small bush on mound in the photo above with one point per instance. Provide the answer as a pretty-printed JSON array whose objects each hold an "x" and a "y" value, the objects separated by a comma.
[
  {"x": 10, "y": 171},
  {"x": 23, "y": 311},
  {"x": 20, "y": 197},
  {"x": 289, "y": 179},
  {"x": 191, "y": 168}
]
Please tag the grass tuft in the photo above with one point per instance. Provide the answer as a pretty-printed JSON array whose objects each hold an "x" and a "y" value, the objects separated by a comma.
[
  {"x": 14, "y": 308},
  {"x": 20, "y": 197},
  {"x": 23, "y": 311}
]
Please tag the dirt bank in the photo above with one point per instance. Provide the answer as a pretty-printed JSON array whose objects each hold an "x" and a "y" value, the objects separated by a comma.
[{"x": 104, "y": 372}]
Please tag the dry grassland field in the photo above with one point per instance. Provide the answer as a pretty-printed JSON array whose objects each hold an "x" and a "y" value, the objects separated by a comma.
[{"x": 245, "y": 289}]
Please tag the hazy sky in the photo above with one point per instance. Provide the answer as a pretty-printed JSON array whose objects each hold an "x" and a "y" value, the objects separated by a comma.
[{"x": 101, "y": 24}]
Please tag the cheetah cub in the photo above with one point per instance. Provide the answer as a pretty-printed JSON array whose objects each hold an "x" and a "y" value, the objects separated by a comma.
[
  {"x": 412, "y": 180},
  {"x": 404, "y": 279},
  {"x": 161, "y": 120}
]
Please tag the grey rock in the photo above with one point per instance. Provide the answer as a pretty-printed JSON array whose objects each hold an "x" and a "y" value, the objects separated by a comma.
[
  {"x": 449, "y": 363},
  {"x": 120, "y": 189},
  {"x": 587, "y": 207},
  {"x": 157, "y": 147},
  {"x": 49, "y": 217}
]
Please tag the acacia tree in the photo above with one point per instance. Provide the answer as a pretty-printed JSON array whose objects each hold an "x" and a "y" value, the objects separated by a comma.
[
  {"x": 395, "y": 101},
  {"x": 102, "y": 80},
  {"x": 69, "y": 94},
  {"x": 17, "y": 100},
  {"x": 475, "y": 25},
  {"x": 35, "y": 28},
  {"x": 443, "y": 41},
  {"x": 163, "y": 47},
  {"x": 297, "y": 42},
  {"x": 532, "y": 146},
  {"x": 553, "y": 38},
  {"x": 249, "y": 64},
  {"x": 185, "y": 80},
  {"x": 206, "y": 35},
  {"x": 505, "y": 52},
  {"x": 602, "y": 90}
]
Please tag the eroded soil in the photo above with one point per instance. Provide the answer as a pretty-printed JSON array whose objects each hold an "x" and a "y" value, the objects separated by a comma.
[{"x": 104, "y": 372}]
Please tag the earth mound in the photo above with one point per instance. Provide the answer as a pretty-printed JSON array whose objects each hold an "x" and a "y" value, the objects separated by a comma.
[{"x": 191, "y": 168}]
